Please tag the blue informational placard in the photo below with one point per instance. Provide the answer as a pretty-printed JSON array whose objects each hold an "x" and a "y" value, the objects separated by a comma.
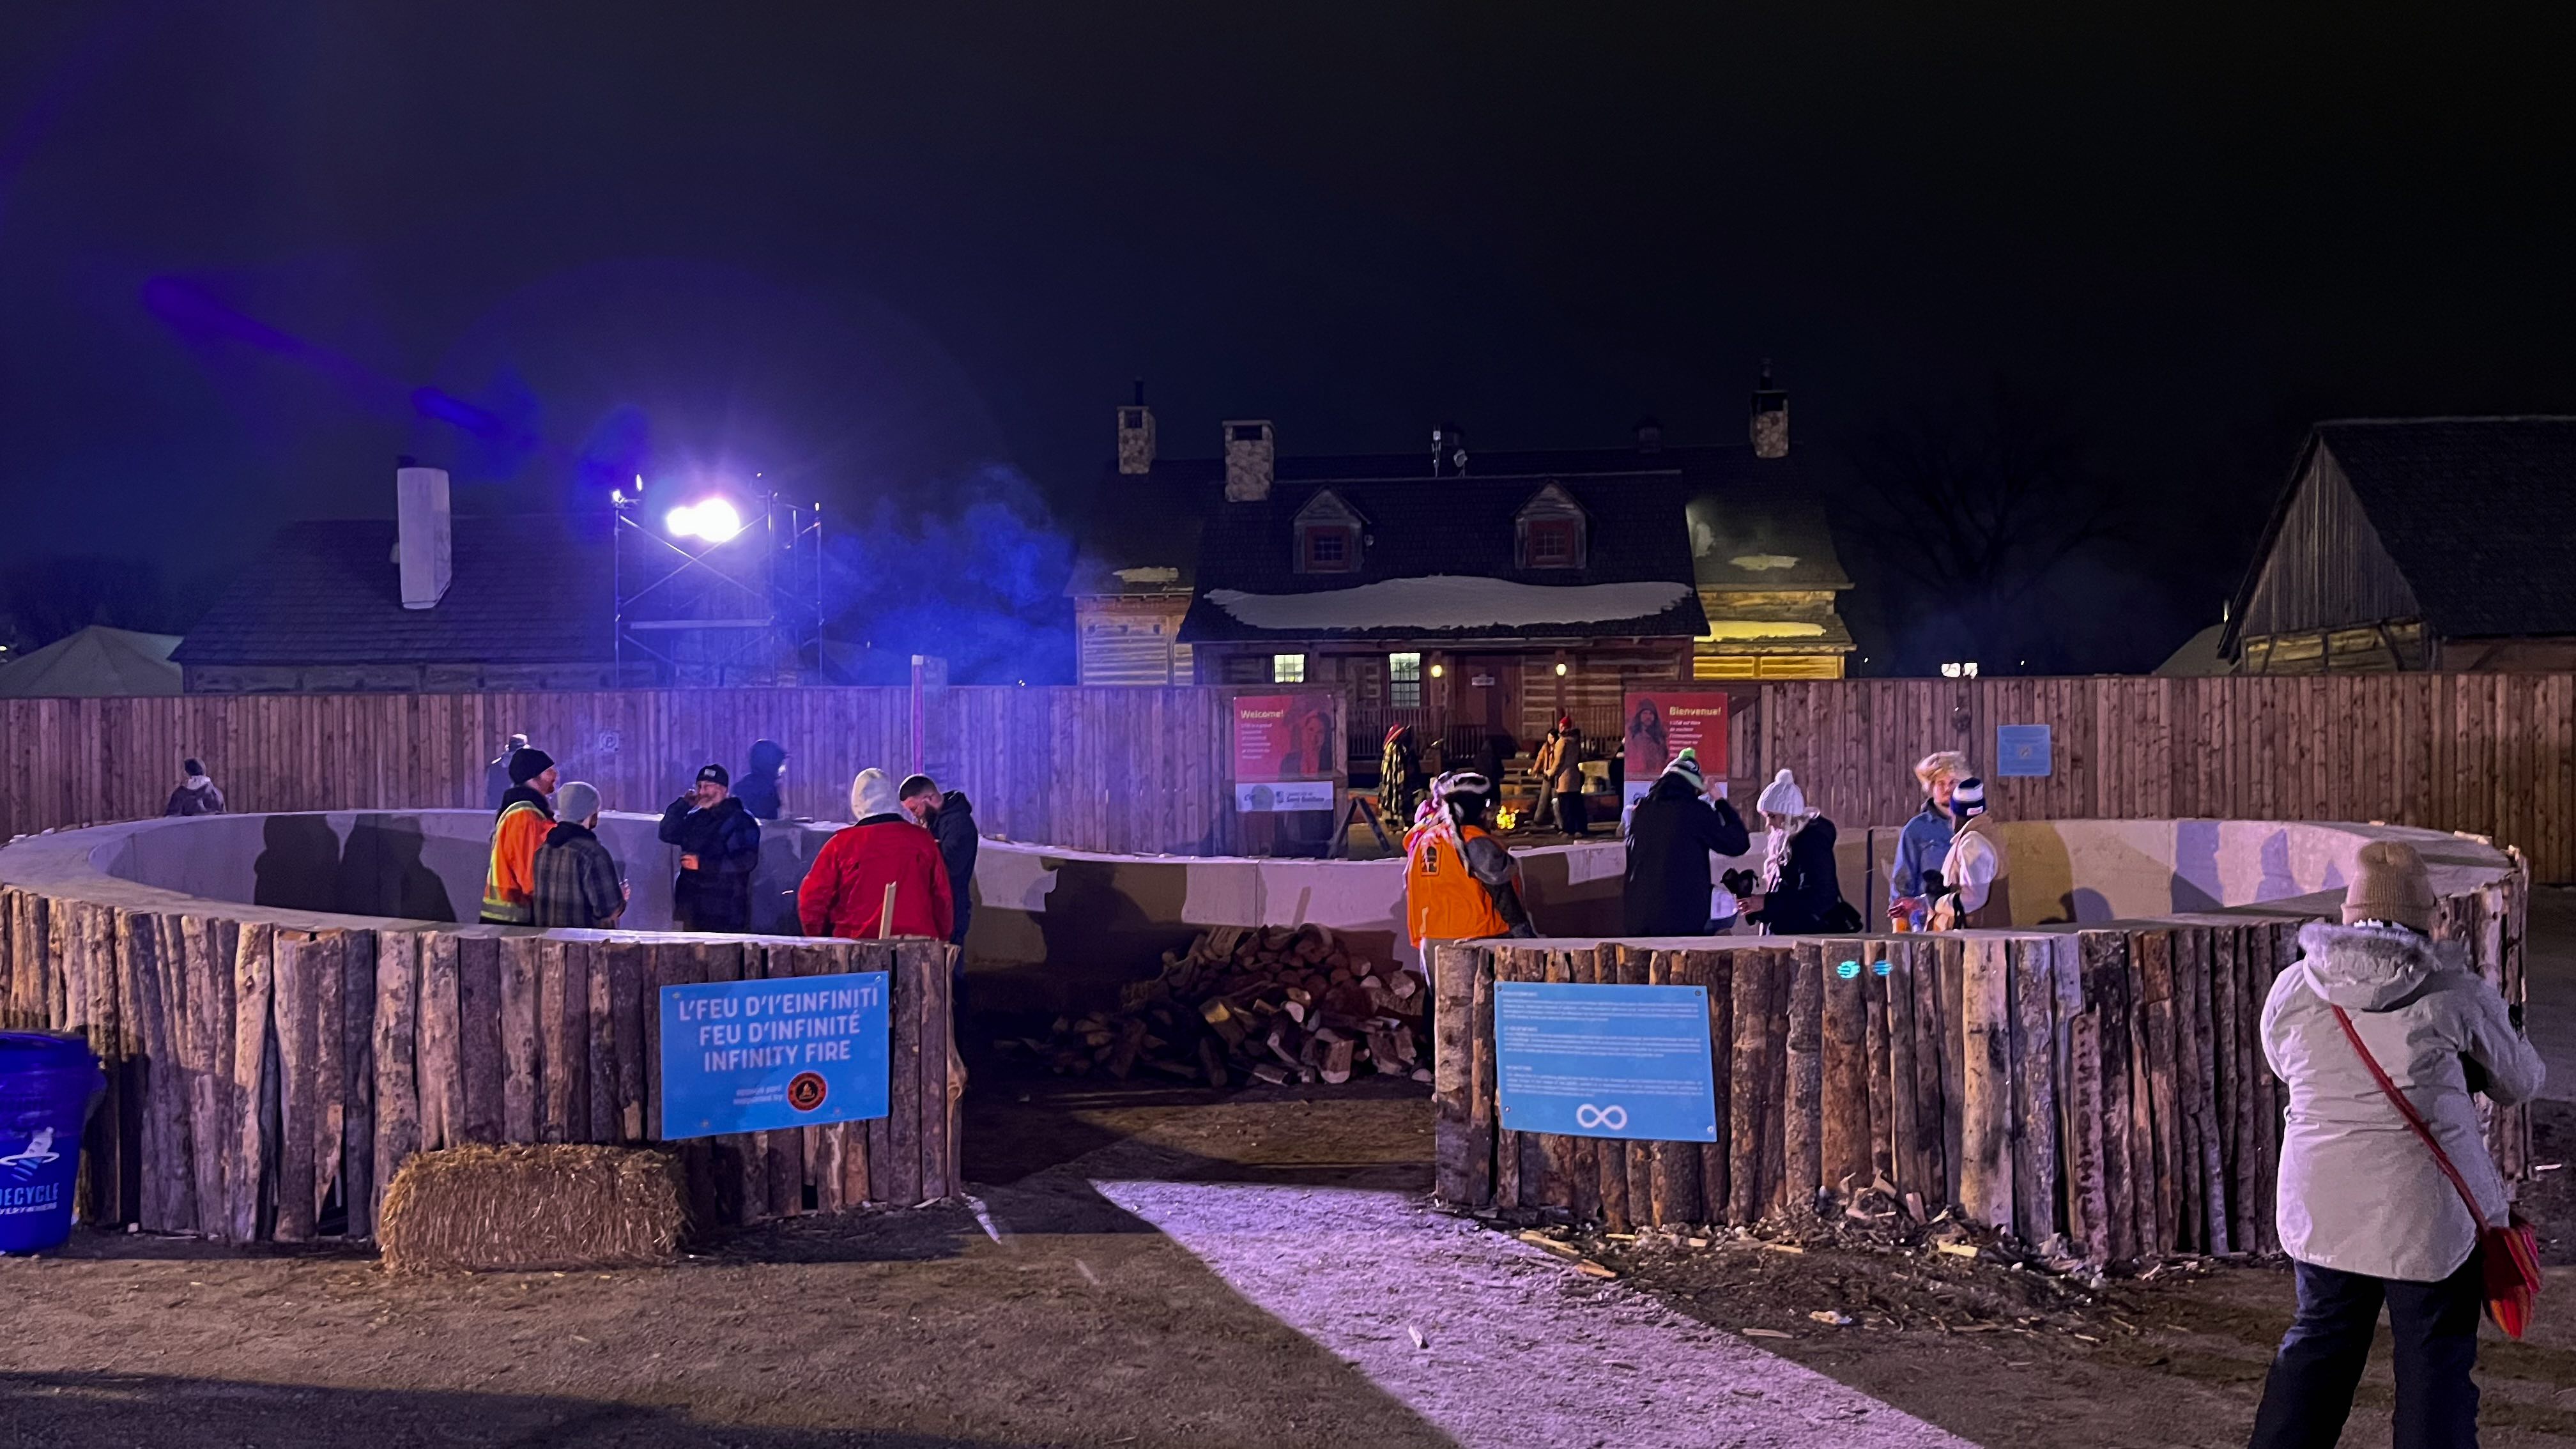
[
  {"x": 2021, "y": 750},
  {"x": 1605, "y": 1061},
  {"x": 755, "y": 1056}
]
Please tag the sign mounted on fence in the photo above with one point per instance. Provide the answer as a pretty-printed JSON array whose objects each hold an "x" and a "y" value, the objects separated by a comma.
[
  {"x": 2021, "y": 750},
  {"x": 757, "y": 1056},
  {"x": 1660, "y": 724},
  {"x": 1605, "y": 1061},
  {"x": 1287, "y": 751}
]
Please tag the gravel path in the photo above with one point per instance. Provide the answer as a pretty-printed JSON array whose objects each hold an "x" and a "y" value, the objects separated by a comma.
[{"x": 1515, "y": 1348}]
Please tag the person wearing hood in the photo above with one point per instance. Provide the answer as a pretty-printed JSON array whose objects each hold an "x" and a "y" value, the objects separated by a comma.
[
  {"x": 196, "y": 794},
  {"x": 518, "y": 831},
  {"x": 577, "y": 884},
  {"x": 1399, "y": 775},
  {"x": 1797, "y": 893},
  {"x": 884, "y": 857},
  {"x": 1973, "y": 894},
  {"x": 950, "y": 819},
  {"x": 1671, "y": 835},
  {"x": 758, "y": 789},
  {"x": 496, "y": 775},
  {"x": 1923, "y": 841},
  {"x": 719, "y": 847},
  {"x": 2365, "y": 1210}
]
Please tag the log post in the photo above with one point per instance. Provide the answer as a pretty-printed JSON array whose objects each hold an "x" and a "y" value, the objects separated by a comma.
[
  {"x": 479, "y": 1060},
  {"x": 358, "y": 1082},
  {"x": 1637, "y": 1164},
  {"x": 253, "y": 983},
  {"x": 522, "y": 976},
  {"x": 1749, "y": 1110},
  {"x": 1802, "y": 1108},
  {"x": 2034, "y": 1068},
  {"x": 1986, "y": 1080},
  {"x": 1715, "y": 970},
  {"x": 1677, "y": 1197},
  {"x": 397, "y": 1038},
  {"x": 1843, "y": 1109},
  {"x": 1462, "y": 1159}
]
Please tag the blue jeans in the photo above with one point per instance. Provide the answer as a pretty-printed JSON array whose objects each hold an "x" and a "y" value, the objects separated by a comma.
[{"x": 2433, "y": 1332}]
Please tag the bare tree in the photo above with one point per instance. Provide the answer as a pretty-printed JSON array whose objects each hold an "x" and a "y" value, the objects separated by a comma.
[{"x": 1978, "y": 509}]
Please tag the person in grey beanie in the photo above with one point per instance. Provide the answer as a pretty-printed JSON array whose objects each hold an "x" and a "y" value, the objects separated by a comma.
[{"x": 577, "y": 883}]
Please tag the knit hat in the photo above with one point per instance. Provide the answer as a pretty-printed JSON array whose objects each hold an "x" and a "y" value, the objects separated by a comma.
[
  {"x": 193, "y": 767},
  {"x": 715, "y": 773},
  {"x": 526, "y": 765},
  {"x": 872, "y": 793},
  {"x": 577, "y": 801},
  {"x": 1565, "y": 722},
  {"x": 1782, "y": 796},
  {"x": 1686, "y": 765},
  {"x": 1968, "y": 798},
  {"x": 2390, "y": 884}
]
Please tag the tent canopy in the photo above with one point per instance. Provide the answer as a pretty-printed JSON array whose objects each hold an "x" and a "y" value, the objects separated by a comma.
[{"x": 95, "y": 663}]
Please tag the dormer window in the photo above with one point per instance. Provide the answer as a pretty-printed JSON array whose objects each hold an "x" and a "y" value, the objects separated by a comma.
[
  {"x": 1330, "y": 536},
  {"x": 1550, "y": 531}
]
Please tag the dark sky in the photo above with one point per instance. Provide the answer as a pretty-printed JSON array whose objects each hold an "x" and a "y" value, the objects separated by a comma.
[{"x": 864, "y": 249}]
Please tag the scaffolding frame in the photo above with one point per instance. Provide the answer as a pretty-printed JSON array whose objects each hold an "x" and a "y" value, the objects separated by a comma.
[{"x": 764, "y": 628}]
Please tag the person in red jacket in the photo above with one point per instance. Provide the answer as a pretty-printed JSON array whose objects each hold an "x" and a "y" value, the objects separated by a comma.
[{"x": 844, "y": 893}]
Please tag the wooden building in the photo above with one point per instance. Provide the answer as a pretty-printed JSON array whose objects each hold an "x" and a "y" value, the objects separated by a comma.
[
  {"x": 1484, "y": 590},
  {"x": 2417, "y": 544}
]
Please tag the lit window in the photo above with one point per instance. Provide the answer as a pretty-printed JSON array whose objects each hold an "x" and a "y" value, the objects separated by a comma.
[
  {"x": 1404, "y": 680},
  {"x": 1287, "y": 668}
]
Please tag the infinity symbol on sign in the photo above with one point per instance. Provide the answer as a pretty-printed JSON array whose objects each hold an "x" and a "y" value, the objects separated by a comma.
[{"x": 1613, "y": 1117}]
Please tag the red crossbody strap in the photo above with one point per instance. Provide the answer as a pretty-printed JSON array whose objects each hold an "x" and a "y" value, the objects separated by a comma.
[{"x": 2407, "y": 1110}]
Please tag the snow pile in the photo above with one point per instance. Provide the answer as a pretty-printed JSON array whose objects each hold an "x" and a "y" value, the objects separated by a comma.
[{"x": 1447, "y": 601}]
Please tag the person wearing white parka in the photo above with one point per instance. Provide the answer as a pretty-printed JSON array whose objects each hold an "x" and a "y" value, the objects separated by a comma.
[{"x": 2364, "y": 1208}]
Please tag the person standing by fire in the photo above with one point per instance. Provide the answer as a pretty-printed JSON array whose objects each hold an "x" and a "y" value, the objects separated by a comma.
[{"x": 1459, "y": 882}]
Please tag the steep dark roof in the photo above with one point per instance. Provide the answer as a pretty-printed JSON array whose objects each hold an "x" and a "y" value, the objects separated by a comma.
[
  {"x": 526, "y": 591},
  {"x": 1420, "y": 526},
  {"x": 2477, "y": 513}
]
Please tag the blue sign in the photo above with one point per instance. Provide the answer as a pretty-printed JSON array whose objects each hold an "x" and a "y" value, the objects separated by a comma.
[
  {"x": 756, "y": 1056},
  {"x": 2021, "y": 750},
  {"x": 1605, "y": 1061}
]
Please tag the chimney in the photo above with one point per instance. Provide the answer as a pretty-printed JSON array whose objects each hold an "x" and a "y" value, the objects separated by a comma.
[
  {"x": 1650, "y": 435},
  {"x": 1249, "y": 461},
  {"x": 1770, "y": 417},
  {"x": 1136, "y": 435},
  {"x": 1448, "y": 451},
  {"x": 421, "y": 543}
]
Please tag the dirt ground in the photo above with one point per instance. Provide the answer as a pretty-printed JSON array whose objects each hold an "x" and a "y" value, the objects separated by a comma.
[{"x": 1044, "y": 1314}]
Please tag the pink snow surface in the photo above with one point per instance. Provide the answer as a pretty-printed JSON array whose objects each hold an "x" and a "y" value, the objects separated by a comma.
[
  {"x": 1446, "y": 601},
  {"x": 1517, "y": 1350}
]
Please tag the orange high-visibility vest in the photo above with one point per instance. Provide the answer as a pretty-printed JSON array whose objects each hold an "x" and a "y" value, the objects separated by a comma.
[{"x": 1442, "y": 900}]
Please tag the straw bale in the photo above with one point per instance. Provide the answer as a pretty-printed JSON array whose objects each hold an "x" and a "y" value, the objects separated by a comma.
[{"x": 524, "y": 1208}]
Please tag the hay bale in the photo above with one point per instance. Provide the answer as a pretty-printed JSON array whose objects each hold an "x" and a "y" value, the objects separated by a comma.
[{"x": 532, "y": 1208}]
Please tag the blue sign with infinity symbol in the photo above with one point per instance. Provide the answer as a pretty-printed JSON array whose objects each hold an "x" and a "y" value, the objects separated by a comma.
[{"x": 1587, "y": 1060}]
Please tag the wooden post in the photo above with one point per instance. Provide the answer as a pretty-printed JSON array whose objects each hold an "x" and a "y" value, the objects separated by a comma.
[
  {"x": 522, "y": 976},
  {"x": 296, "y": 1014},
  {"x": 1715, "y": 971},
  {"x": 2204, "y": 1102},
  {"x": 628, "y": 1027},
  {"x": 1483, "y": 1108},
  {"x": 1932, "y": 1114},
  {"x": 600, "y": 1042},
  {"x": 1844, "y": 1107},
  {"x": 1676, "y": 1197},
  {"x": 1877, "y": 1065},
  {"x": 156, "y": 964},
  {"x": 358, "y": 1082},
  {"x": 396, "y": 1045},
  {"x": 903, "y": 1177},
  {"x": 1496, "y": 967},
  {"x": 1986, "y": 1166},
  {"x": 1462, "y": 1159},
  {"x": 480, "y": 1066},
  {"x": 1950, "y": 952},
  {"x": 1802, "y": 1110},
  {"x": 208, "y": 1060},
  {"x": 1582, "y": 1155},
  {"x": 1634, "y": 967},
  {"x": 253, "y": 983},
  {"x": 563, "y": 997},
  {"x": 1610, "y": 966},
  {"x": 1556, "y": 1151},
  {"x": 1749, "y": 1109},
  {"x": 2152, "y": 951},
  {"x": 2034, "y": 1067}
]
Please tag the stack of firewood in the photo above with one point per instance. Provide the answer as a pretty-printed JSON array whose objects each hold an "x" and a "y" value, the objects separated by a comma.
[{"x": 1277, "y": 1005}]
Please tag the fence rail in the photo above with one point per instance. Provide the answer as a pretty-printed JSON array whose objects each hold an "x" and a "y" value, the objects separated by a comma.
[{"x": 1143, "y": 770}]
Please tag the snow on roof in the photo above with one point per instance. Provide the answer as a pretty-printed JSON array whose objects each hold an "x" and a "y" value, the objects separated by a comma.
[{"x": 1446, "y": 601}]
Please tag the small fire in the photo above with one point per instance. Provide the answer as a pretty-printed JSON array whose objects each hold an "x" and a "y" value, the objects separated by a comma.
[{"x": 1507, "y": 817}]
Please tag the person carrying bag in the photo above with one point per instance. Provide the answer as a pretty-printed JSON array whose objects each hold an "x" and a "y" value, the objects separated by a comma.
[{"x": 2375, "y": 1014}]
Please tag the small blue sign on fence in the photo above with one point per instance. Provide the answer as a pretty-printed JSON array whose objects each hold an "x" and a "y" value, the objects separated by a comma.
[
  {"x": 756, "y": 1056},
  {"x": 2021, "y": 750},
  {"x": 1605, "y": 1061}
]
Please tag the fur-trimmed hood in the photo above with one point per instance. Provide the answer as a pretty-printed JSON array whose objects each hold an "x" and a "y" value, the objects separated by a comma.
[{"x": 2371, "y": 968}]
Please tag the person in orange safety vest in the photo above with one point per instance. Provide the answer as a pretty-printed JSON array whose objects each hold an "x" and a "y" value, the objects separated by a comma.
[{"x": 1459, "y": 882}]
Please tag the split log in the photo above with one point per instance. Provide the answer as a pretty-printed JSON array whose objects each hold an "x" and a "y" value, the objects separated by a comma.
[
  {"x": 1749, "y": 1111},
  {"x": 2213, "y": 1174},
  {"x": 1949, "y": 1037},
  {"x": 397, "y": 1038},
  {"x": 213, "y": 1129},
  {"x": 628, "y": 1028},
  {"x": 1464, "y": 1157},
  {"x": 1986, "y": 1080},
  {"x": 1613, "y": 964},
  {"x": 1843, "y": 1108},
  {"x": 358, "y": 1082},
  {"x": 441, "y": 1059},
  {"x": 522, "y": 977},
  {"x": 478, "y": 1040},
  {"x": 296, "y": 965},
  {"x": 563, "y": 1007},
  {"x": 1582, "y": 1155},
  {"x": 600, "y": 1042},
  {"x": 1494, "y": 967},
  {"x": 1905, "y": 1162},
  {"x": 1715, "y": 972},
  {"x": 2226, "y": 1003},
  {"x": 2034, "y": 1067},
  {"x": 1876, "y": 1065},
  {"x": 1802, "y": 1114},
  {"x": 155, "y": 963},
  {"x": 912, "y": 1004},
  {"x": 2102, "y": 958},
  {"x": 253, "y": 982},
  {"x": 2153, "y": 951}
]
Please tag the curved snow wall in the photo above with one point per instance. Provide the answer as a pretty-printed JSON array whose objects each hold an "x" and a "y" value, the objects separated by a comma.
[
  {"x": 273, "y": 1058},
  {"x": 2101, "y": 1083}
]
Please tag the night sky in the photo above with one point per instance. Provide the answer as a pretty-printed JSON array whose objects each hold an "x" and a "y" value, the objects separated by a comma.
[{"x": 889, "y": 256}]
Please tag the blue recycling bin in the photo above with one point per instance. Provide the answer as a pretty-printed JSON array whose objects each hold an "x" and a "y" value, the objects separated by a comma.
[{"x": 49, "y": 1084}]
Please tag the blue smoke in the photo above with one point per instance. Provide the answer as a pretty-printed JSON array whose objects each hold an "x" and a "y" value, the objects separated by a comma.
[{"x": 981, "y": 585}]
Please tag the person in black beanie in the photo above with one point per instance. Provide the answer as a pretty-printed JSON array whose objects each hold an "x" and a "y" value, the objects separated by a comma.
[{"x": 719, "y": 845}]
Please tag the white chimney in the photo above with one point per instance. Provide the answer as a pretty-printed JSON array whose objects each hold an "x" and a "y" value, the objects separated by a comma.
[
  {"x": 421, "y": 543},
  {"x": 1248, "y": 461}
]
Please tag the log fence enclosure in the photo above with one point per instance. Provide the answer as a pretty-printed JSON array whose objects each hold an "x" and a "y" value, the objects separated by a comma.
[
  {"x": 1138, "y": 770},
  {"x": 2103, "y": 1085},
  {"x": 265, "y": 1075}
]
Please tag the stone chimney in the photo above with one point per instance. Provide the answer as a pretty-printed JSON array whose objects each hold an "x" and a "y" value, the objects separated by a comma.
[
  {"x": 1250, "y": 461},
  {"x": 421, "y": 535},
  {"x": 1136, "y": 435},
  {"x": 1770, "y": 417}
]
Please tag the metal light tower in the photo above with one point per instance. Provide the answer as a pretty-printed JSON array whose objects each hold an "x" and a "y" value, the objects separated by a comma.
[{"x": 723, "y": 589}]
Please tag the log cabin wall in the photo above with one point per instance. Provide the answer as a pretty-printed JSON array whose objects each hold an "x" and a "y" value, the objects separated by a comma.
[
  {"x": 268, "y": 1078},
  {"x": 2107, "y": 1086}
]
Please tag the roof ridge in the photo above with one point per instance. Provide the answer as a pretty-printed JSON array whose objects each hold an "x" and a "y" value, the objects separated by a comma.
[{"x": 2447, "y": 418}]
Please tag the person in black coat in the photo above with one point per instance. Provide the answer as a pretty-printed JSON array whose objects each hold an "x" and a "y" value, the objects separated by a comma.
[
  {"x": 758, "y": 791},
  {"x": 1800, "y": 892},
  {"x": 950, "y": 818},
  {"x": 1671, "y": 834},
  {"x": 719, "y": 846}
]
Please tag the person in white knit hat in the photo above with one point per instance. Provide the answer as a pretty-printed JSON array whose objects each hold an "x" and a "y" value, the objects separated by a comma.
[{"x": 1798, "y": 892}]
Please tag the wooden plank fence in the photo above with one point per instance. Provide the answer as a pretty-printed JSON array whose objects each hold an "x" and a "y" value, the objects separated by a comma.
[
  {"x": 1142, "y": 770},
  {"x": 264, "y": 1080},
  {"x": 2104, "y": 1085}
]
